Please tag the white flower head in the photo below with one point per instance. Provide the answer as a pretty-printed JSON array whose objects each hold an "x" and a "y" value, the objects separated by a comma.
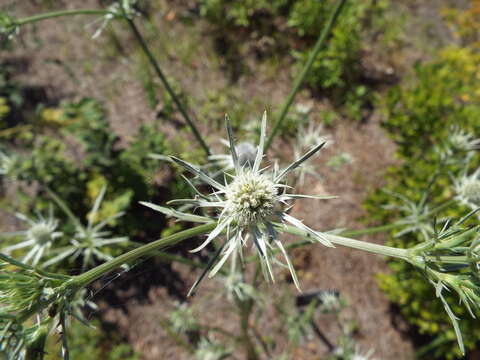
[
  {"x": 88, "y": 242},
  {"x": 467, "y": 189},
  {"x": 313, "y": 135},
  {"x": 119, "y": 9},
  {"x": 358, "y": 355},
  {"x": 306, "y": 139},
  {"x": 39, "y": 236},
  {"x": 182, "y": 319},
  {"x": 250, "y": 207},
  {"x": 329, "y": 302},
  {"x": 209, "y": 350},
  {"x": 461, "y": 140},
  {"x": 8, "y": 164}
]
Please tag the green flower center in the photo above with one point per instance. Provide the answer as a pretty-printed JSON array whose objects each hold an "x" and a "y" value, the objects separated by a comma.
[
  {"x": 471, "y": 191},
  {"x": 251, "y": 197},
  {"x": 41, "y": 233}
]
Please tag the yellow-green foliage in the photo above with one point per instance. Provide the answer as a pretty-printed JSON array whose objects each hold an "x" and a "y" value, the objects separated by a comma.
[
  {"x": 465, "y": 23},
  {"x": 419, "y": 116},
  {"x": 4, "y": 108},
  {"x": 92, "y": 343}
]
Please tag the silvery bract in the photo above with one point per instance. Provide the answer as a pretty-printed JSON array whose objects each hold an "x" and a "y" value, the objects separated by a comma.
[
  {"x": 251, "y": 206},
  {"x": 467, "y": 189},
  {"x": 89, "y": 241},
  {"x": 39, "y": 237}
]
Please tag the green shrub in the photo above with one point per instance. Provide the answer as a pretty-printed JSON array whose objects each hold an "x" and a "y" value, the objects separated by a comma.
[
  {"x": 419, "y": 116},
  {"x": 337, "y": 65},
  {"x": 75, "y": 153},
  {"x": 93, "y": 343},
  {"x": 237, "y": 12}
]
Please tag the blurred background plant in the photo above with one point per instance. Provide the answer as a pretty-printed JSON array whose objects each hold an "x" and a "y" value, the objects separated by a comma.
[{"x": 433, "y": 119}]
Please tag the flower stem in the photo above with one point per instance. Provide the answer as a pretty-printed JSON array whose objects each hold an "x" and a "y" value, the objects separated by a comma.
[
  {"x": 376, "y": 229},
  {"x": 55, "y": 14},
  {"x": 88, "y": 277},
  {"x": 301, "y": 77},
  {"x": 245, "y": 309},
  {"x": 352, "y": 243},
  {"x": 163, "y": 79}
]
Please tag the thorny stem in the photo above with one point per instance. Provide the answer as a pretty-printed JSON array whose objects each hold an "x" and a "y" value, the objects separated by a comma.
[
  {"x": 161, "y": 75},
  {"x": 301, "y": 77},
  {"x": 55, "y": 14},
  {"x": 88, "y": 277}
]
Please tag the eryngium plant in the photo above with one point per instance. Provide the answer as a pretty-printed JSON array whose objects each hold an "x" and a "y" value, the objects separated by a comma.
[
  {"x": 247, "y": 206},
  {"x": 31, "y": 301}
]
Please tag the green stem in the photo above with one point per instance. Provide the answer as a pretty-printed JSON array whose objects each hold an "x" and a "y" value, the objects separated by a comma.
[
  {"x": 301, "y": 77},
  {"x": 172, "y": 258},
  {"x": 245, "y": 308},
  {"x": 352, "y": 243},
  {"x": 55, "y": 14},
  {"x": 374, "y": 230},
  {"x": 160, "y": 74},
  {"x": 88, "y": 277}
]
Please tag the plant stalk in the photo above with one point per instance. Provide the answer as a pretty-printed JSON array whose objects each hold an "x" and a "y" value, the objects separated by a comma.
[
  {"x": 375, "y": 229},
  {"x": 303, "y": 74},
  {"x": 245, "y": 308},
  {"x": 352, "y": 243},
  {"x": 55, "y": 14},
  {"x": 163, "y": 79},
  {"x": 88, "y": 277}
]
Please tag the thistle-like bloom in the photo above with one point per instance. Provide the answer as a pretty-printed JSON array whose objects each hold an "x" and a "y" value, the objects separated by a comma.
[
  {"x": 306, "y": 139},
  {"x": 8, "y": 164},
  {"x": 246, "y": 155},
  {"x": 39, "y": 236},
  {"x": 8, "y": 25},
  {"x": 182, "y": 319},
  {"x": 460, "y": 140},
  {"x": 211, "y": 350},
  {"x": 468, "y": 189},
  {"x": 250, "y": 207},
  {"x": 88, "y": 241},
  {"x": 415, "y": 215},
  {"x": 119, "y": 9}
]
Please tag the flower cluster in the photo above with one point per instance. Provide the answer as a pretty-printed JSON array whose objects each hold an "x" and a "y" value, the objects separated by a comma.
[
  {"x": 39, "y": 236},
  {"x": 467, "y": 189},
  {"x": 250, "y": 207}
]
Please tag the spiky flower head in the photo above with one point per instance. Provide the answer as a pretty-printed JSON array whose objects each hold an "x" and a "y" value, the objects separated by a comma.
[
  {"x": 246, "y": 157},
  {"x": 460, "y": 140},
  {"x": 210, "y": 350},
  {"x": 251, "y": 206},
  {"x": 39, "y": 237},
  {"x": 182, "y": 319},
  {"x": 467, "y": 189},
  {"x": 306, "y": 139},
  {"x": 8, "y": 26},
  {"x": 329, "y": 302},
  {"x": 8, "y": 164},
  {"x": 88, "y": 242},
  {"x": 360, "y": 355},
  {"x": 43, "y": 231},
  {"x": 251, "y": 198}
]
